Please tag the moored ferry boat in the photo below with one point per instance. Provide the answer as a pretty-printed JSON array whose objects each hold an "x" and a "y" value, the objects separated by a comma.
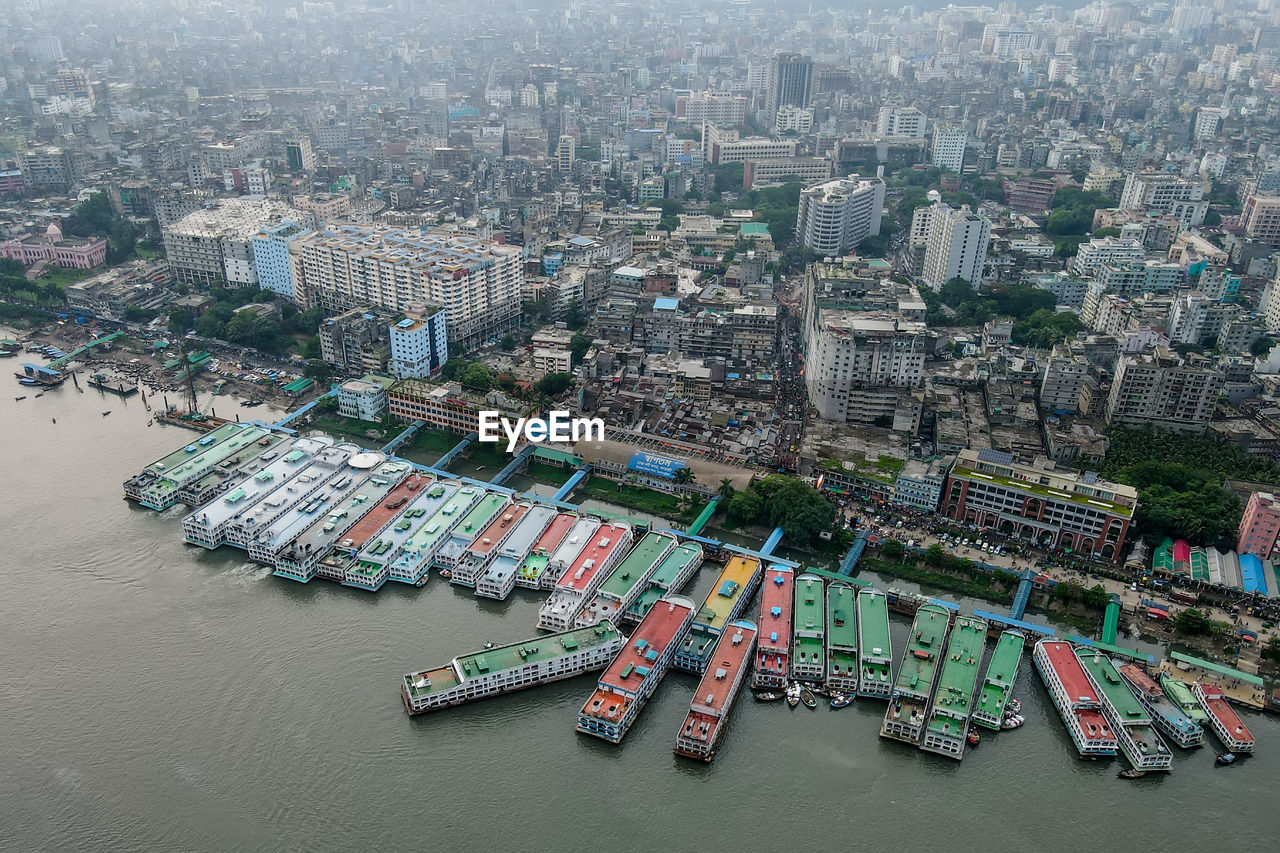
[
  {"x": 724, "y": 603},
  {"x": 1075, "y": 697},
  {"x": 947, "y": 729},
  {"x": 875, "y": 649},
  {"x": 997, "y": 684},
  {"x": 1180, "y": 694},
  {"x": 578, "y": 584},
  {"x": 842, "y": 638},
  {"x": 535, "y": 565},
  {"x": 635, "y": 672},
  {"x": 504, "y": 669},
  {"x": 628, "y": 579},
  {"x": 704, "y": 726},
  {"x": 773, "y": 645},
  {"x": 808, "y": 631},
  {"x": 905, "y": 718},
  {"x": 1166, "y": 716},
  {"x": 484, "y": 549},
  {"x": 1223, "y": 719},
  {"x": 671, "y": 576},
  {"x": 1130, "y": 722},
  {"x": 500, "y": 578}
]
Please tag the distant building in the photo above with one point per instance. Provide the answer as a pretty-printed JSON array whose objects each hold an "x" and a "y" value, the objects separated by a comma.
[
  {"x": 448, "y": 406},
  {"x": 901, "y": 121},
  {"x": 363, "y": 399},
  {"x": 53, "y": 247},
  {"x": 299, "y": 155},
  {"x": 1261, "y": 218},
  {"x": 1064, "y": 376},
  {"x": 948, "y": 147},
  {"x": 955, "y": 243},
  {"x": 790, "y": 118},
  {"x": 836, "y": 216},
  {"x": 216, "y": 242},
  {"x": 356, "y": 341},
  {"x": 1184, "y": 198},
  {"x": 271, "y": 256},
  {"x": 790, "y": 82},
  {"x": 1159, "y": 389}
]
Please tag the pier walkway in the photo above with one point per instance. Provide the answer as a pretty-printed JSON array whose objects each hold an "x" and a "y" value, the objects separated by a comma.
[
  {"x": 1023, "y": 595},
  {"x": 705, "y": 516},
  {"x": 772, "y": 542},
  {"x": 1031, "y": 629},
  {"x": 299, "y": 412},
  {"x": 517, "y": 462},
  {"x": 572, "y": 483},
  {"x": 1112, "y": 649},
  {"x": 444, "y": 461},
  {"x": 1111, "y": 621},
  {"x": 394, "y": 444},
  {"x": 854, "y": 554},
  {"x": 80, "y": 350}
]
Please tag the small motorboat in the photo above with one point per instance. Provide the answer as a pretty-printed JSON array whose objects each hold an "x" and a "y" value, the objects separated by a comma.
[
  {"x": 1131, "y": 773},
  {"x": 18, "y": 399},
  {"x": 807, "y": 697},
  {"x": 55, "y": 420},
  {"x": 767, "y": 696},
  {"x": 1012, "y": 722},
  {"x": 839, "y": 700},
  {"x": 1224, "y": 758},
  {"x": 38, "y": 396},
  {"x": 793, "y": 694},
  {"x": 974, "y": 736},
  {"x": 104, "y": 414},
  {"x": 1014, "y": 706},
  {"x": 446, "y": 574}
]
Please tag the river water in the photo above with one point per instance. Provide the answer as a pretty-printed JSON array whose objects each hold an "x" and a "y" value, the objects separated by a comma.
[{"x": 161, "y": 697}]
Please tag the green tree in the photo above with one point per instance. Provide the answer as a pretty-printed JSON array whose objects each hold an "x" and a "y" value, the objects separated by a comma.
[
  {"x": 726, "y": 490},
  {"x": 683, "y": 476},
  {"x": 310, "y": 347},
  {"x": 554, "y": 384},
  {"x": 1192, "y": 622},
  {"x": 318, "y": 370},
  {"x": 934, "y": 555},
  {"x": 180, "y": 320},
  {"x": 1097, "y": 597},
  {"x": 745, "y": 507},
  {"x": 892, "y": 549},
  {"x": 508, "y": 343},
  {"x": 578, "y": 346},
  {"x": 476, "y": 377}
]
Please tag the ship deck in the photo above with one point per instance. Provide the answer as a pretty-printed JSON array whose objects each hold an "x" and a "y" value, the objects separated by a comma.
[
  {"x": 1070, "y": 672},
  {"x": 363, "y": 493},
  {"x": 535, "y": 564},
  {"x": 726, "y": 596},
  {"x": 411, "y": 518},
  {"x": 960, "y": 669},
  {"x": 669, "y": 571},
  {"x": 875, "y": 650},
  {"x": 1002, "y": 673},
  {"x": 1126, "y": 707},
  {"x": 716, "y": 692},
  {"x": 498, "y": 527},
  {"x": 468, "y": 529},
  {"x": 924, "y": 647}
]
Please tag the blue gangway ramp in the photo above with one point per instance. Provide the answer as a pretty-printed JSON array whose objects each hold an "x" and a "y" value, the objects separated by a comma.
[
  {"x": 1023, "y": 595},
  {"x": 572, "y": 483},
  {"x": 443, "y": 462},
  {"x": 394, "y": 444},
  {"x": 514, "y": 465},
  {"x": 772, "y": 542},
  {"x": 850, "y": 560},
  {"x": 297, "y": 413}
]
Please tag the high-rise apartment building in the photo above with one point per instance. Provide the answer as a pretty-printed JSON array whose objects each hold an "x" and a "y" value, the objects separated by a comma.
[
  {"x": 948, "y": 147},
  {"x": 476, "y": 282},
  {"x": 727, "y": 109},
  {"x": 1161, "y": 390},
  {"x": 1064, "y": 375},
  {"x": 1260, "y": 219},
  {"x": 901, "y": 121},
  {"x": 955, "y": 243},
  {"x": 1259, "y": 526},
  {"x": 837, "y": 215},
  {"x": 566, "y": 149},
  {"x": 790, "y": 81},
  {"x": 271, "y": 256},
  {"x": 419, "y": 344},
  {"x": 298, "y": 154},
  {"x": 216, "y": 242},
  {"x": 1184, "y": 198}
]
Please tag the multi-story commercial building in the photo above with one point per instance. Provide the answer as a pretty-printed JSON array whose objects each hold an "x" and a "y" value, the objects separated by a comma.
[
  {"x": 757, "y": 173},
  {"x": 47, "y": 167},
  {"x": 1105, "y": 250},
  {"x": 1064, "y": 375},
  {"x": 948, "y": 147},
  {"x": 838, "y": 215},
  {"x": 1161, "y": 390},
  {"x": 901, "y": 121},
  {"x": 727, "y": 109},
  {"x": 216, "y": 242},
  {"x": 1259, "y": 526},
  {"x": 920, "y": 482},
  {"x": 476, "y": 282},
  {"x": 1155, "y": 231},
  {"x": 271, "y": 256},
  {"x": 1260, "y": 219},
  {"x": 864, "y": 342},
  {"x": 363, "y": 399},
  {"x": 1041, "y": 503},
  {"x": 1194, "y": 318},
  {"x": 566, "y": 151},
  {"x": 1183, "y": 198},
  {"x": 790, "y": 81},
  {"x": 793, "y": 119},
  {"x": 419, "y": 344},
  {"x": 448, "y": 406},
  {"x": 955, "y": 242},
  {"x": 726, "y": 146},
  {"x": 357, "y": 341},
  {"x": 299, "y": 155}
]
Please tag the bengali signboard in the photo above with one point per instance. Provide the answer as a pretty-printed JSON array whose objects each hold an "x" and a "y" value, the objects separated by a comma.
[{"x": 651, "y": 463}]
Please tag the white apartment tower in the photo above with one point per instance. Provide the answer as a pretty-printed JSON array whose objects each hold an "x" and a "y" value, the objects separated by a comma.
[
  {"x": 837, "y": 215},
  {"x": 901, "y": 121},
  {"x": 948, "y": 147},
  {"x": 955, "y": 246}
]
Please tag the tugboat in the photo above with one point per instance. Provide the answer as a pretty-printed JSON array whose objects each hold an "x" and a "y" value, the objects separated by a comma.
[
  {"x": 1131, "y": 773},
  {"x": 839, "y": 700},
  {"x": 1224, "y": 758},
  {"x": 974, "y": 736},
  {"x": 793, "y": 694},
  {"x": 806, "y": 696},
  {"x": 767, "y": 696}
]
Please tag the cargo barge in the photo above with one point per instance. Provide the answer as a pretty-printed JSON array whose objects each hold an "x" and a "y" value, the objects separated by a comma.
[
  {"x": 1075, "y": 697},
  {"x": 700, "y": 734},
  {"x": 875, "y": 648},
  {"x": 773, "y": 644},
  {"x": 505, "y": 669},
  {"x": 1002, "y": 675},
  {"x": 912, "y": 691},
  {"x": 948, "y": 725},
  {"x": 636, "y": 670}
]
